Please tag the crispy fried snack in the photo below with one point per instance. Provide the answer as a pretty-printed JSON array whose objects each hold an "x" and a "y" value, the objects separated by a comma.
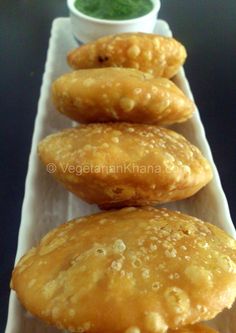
[
  {"x": 121, "y": 164},
  {"x": 132, "y": 270},
  {"x": 158, "y": 55},
  {"x": 120, "y": 94}
]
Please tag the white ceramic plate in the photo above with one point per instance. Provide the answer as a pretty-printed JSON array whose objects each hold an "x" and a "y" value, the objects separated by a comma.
[{"x": 47, "y": 204}]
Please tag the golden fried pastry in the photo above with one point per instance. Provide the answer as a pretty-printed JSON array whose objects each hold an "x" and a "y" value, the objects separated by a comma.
[
  {"x": 121, "y": 164},
  {"x": 120, "y": 94},
  {"x": 158, "y": 55},
  {"x": 132, "y": 270}
]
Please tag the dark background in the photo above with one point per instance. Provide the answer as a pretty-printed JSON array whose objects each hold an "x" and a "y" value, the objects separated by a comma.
[{"x": 206, "y": 27}]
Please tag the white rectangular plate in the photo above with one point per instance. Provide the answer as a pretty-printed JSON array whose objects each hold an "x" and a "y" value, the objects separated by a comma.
[{"x": 47, "y": 204}]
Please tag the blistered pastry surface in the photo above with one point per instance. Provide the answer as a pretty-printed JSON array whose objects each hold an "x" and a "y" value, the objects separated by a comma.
[{"x": 157, "y": 268}]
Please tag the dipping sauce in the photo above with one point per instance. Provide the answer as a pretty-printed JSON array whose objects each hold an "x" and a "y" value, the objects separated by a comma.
[{"x": 114, "y": 9}]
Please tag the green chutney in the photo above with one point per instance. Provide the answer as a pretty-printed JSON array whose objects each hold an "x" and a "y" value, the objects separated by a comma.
[{"x": 114, "y": 9}]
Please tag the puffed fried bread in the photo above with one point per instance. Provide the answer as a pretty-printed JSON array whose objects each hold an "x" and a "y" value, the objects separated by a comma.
[
  {"x": 121, "y": 164},
  {"x": 158, "y": 55},
  {"x": 143, "y": 268},
  {"x": 120, "y": 94}
]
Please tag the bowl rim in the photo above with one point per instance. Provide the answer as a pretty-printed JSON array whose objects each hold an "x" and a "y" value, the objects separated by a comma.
[{"x": 79, "y": 14}]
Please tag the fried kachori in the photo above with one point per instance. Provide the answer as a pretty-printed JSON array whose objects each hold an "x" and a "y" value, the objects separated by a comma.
[
  {"x": 122, "y": 164},
  {"x": 120, "y": 94},
  {"x": 143, "y": 268},
  {"x": 155, "y": 54}
]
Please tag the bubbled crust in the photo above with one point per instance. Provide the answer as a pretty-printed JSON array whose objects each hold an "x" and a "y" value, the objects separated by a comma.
[
  {"x": 158, "y": 55},
  {"x": 120, "y": 94},
  {"x": 121, "y": 164},
  {"x": 133, "y": 270}
]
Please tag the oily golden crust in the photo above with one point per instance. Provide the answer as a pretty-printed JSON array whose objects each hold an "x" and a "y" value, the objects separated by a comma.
[
  {"x": 133, "y": 270},
  {"x": 120, "y": 94},
  {"x": 158, "y": 55},
  {"x": 121, "y": 164}
]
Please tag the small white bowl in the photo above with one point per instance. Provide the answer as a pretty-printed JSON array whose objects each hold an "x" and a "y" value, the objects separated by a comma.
[{"x": 86, "y": 28}]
